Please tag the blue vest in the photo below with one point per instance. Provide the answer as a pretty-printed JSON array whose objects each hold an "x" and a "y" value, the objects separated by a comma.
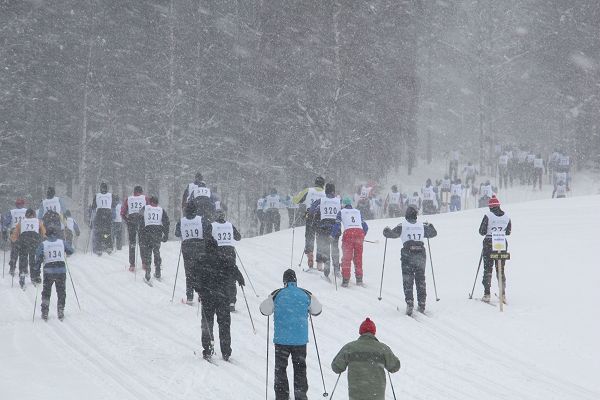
[{"x": 291, "y": 316}]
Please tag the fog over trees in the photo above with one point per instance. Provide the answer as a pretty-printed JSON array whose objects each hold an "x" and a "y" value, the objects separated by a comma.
[{"x": 257, "y": 94}]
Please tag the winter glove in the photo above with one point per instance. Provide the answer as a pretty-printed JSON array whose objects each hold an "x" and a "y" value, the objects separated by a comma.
[
  {"x": 165, "y": 238},
  {"x": 5, "y": 235},
  {"x": 239, "y": 277},
  {"x": 387, "y": 231}
]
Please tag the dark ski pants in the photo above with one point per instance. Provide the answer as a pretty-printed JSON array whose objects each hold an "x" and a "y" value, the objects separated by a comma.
[
  {"x": 538, "y": 173},
  {"x": 272, "y": 220},
  {"x": 147, "y": 249},
  {"x": 231, "y": 290},
  {"x": 455, "y": 203},
  {"x": 260, "y": 214},
  {"x": 103, "y": 231},
  {"x": 27, "y": 255},
  {"x": 14, "y": 256},
  {"x": 193, "y": 254},
  {"x": 488, "y": 267},
  {"x": 503, "y": 175},
  {"x": 133, "y": 231},
  {"x": 117, "y": 231},
  {"x": 413, "y": 273},
  {"x": 282, "y": 390},
  {"x": 59, "y": 280},
  {"x": 394, "y": 211},
  {"x": 309, "y": 239},
  {"x": 217, "y": 303},
  {"x": 328, "y": 251}
]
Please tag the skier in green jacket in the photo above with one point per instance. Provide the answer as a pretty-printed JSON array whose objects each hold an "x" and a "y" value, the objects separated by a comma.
[{"x": 366, "y": 359}]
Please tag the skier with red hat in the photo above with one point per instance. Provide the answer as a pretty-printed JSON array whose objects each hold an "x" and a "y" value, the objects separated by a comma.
[
  {"x": 494, "y": 221},
  {"x": 367, "y": 359}
]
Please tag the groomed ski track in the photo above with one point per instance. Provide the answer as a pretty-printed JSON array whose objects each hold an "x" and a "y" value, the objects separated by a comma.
[{"x": 130, "y": 342}]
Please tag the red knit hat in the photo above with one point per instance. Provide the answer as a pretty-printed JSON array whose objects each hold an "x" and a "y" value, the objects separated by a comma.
[
  {"x": 493, "y": 202},
  {"x": 367, "y": 326}
]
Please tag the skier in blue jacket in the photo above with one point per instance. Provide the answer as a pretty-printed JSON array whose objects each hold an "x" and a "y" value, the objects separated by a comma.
[{"x": 291, "y": 306}]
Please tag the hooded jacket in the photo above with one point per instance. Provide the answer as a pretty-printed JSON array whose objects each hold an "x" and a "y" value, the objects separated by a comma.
[{"x": 366, "y": 359}]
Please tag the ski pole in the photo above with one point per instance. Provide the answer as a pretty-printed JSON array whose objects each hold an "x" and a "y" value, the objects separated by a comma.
[
  {"x": 325, "y": 394},
  {"x": 476, "y": 275},
  {"x": 392, "y": 385},
  {"x": 72, "y": 284},
  {"x": 432, "y": 273},
  {"x": 248, "y": 308},
  {"x": 37, "y": 289},
  {"x": 382, "y": 269},
  {"x": 176, "y": 273},
  {"x": 4, "y": 260},
  {"x": 371, "y": 241},
  {"x": 301, "y": 258},
  {"x": 293, "y": 237},
  {"x": 267, "y": 374},
  {"x": 246, "y": 272},
  {"x": 335, "y": 386}
]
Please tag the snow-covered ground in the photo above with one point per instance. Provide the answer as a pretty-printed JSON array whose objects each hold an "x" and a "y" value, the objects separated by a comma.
[{"x": 130, "y": 342}]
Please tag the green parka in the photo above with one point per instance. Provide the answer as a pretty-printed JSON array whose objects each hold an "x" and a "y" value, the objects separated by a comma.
[{"x": 366, "y": 359}]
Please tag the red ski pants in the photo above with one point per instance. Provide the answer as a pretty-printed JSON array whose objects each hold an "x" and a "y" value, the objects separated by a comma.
[{"x": 352, "y": 248}]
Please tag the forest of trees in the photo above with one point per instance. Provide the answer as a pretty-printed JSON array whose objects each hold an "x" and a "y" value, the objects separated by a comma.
[{"x": 257, "y": 93}]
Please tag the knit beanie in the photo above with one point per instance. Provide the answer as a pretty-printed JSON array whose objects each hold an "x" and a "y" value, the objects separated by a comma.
[
  {"x": 367, "y": 326},
  {"x": 289, "y": 276},
  {"x": 493, "y": 202}
]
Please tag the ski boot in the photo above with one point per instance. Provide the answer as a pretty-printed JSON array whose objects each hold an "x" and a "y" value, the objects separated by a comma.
[
  {"x": 147, "y": 275},
  {"x": 409, "y": 309},
  {"x": 319, "y": 266},
  {"x": 226, "y": 357},
  {"x": 486, "y": 298},
  {"x": 132, "y": 268},
  {"x": 45, "y": 313},
  {"x": 157, "y": 274},
  {"x": 359, "y": 281},
  {"x": 345, "y": 282},
  {"x": 422, "y": 308},
  {"x": 232, "y": 307},
  {"x": 61, "y": 314}
]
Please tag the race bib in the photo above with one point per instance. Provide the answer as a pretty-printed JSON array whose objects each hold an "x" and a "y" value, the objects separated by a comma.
[
  {"x": 52, "y": 204},
  {"x": 135, "y": 204},
  {"x": 103, "y": 200},
  {"x": 498, "y": 241},
  {"x": 16, "y": 216},
  {"x": 191, "y": 228},
  {"x": 153, "y": 215},
  {"x": 30, "y": 225},
  {"x": 223, "y": 233},
  {"x": 329, "y": 208},
  {"x": 351, "y": 218},
  {"x": 54, "y": 251}
]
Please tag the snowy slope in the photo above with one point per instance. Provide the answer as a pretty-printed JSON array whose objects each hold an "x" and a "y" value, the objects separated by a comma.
[{"x": 130, "y": 342}]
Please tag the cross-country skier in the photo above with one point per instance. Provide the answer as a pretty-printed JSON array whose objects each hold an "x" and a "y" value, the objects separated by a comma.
[
  {"x": 413, "y": 256},
  {"x": 323, "y": 213},
  {"x": 271, "y": 207},
  {"x": 367, "y": 359},
  {"x": 193, "y": 230},
  {"x": 130, "y": 211},
  {"x": 51, "y": 202},
  {"x": 444, "y": 192},
  {"x": 430, "y": 203},
  {"x": 355, "y": 230},
  {"x": 260, "y": 214},
  {"x": 9, "y": 224},
  {"x": 214, "y": 280},
  {"x": 503, "y": 170},
  {"x": 226, "y": 234},
  {"x": 486, "y": 191},
  {"x": 309, "y": 196},
  {"x": 414, "y": 201},
  {"x": 291, "y": 306},
  {"x": 203, "y": 199},
  {"x": 154, "y": 230},
  {"x": 456, "y": 193},
  {"x": 560, "y": 190},
  {"x": 103, "y": 209},
  {"x": 27, "y": 236},
  {"x": 393, "y": 203},
  {"x": 52, "y": 253},
  {"x": 539, "y": 169},
  {"x": 187, "y": 193},
  {"x": 470, "y": 173},
  {"x": 495, "y": 220},
  {"x": 71, "y": 229}
]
